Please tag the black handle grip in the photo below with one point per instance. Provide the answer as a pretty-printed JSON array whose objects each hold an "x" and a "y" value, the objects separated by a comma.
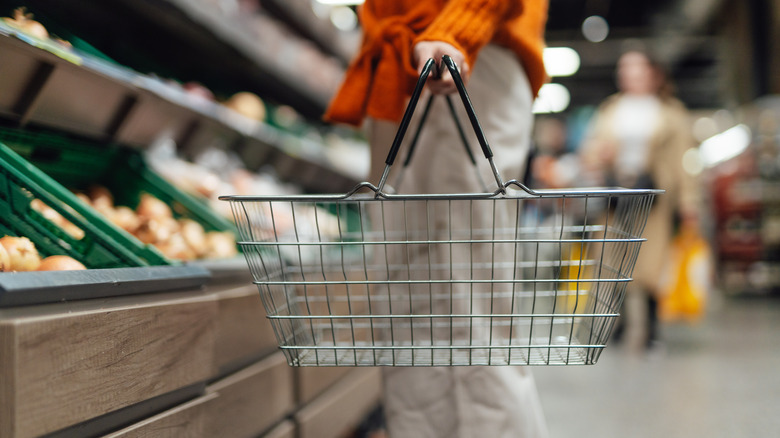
[
  {"x": 464, "y": 96},
  {"x": 430, "y": 65},
  {"x": 428, "y": 69}
]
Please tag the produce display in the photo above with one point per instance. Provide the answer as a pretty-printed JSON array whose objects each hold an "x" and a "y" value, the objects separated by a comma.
[
  {"x": 18, "y": 254},
  {"x": 217, "y": 172},
  {"x": 152, "y": 222},
  {"x": 23, "y": 22},
  {"x": 214, "y": 172}
]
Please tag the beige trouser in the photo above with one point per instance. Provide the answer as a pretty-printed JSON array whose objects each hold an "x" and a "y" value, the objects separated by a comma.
[{"x": 473, "y": 401}]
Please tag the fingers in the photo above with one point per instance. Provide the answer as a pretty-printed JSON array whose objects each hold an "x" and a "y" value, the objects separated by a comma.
[{"x": 445, "y": 84}]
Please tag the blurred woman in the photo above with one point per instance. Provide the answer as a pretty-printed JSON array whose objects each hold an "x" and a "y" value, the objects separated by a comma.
[
  {"x": 637, "y": 140},
  {"x": 497, "y": 46}
]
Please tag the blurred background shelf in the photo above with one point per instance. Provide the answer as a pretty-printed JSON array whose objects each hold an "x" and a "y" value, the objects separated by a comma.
[
  {"x": 75, "y": 92},
  {"x": 209, "y": 42}
]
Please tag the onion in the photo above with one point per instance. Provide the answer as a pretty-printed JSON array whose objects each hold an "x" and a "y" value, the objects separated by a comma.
[
  {"x": 83, "y": 198},
  {"x": 22, "y": 253},
  {"x": 151, "y": 207},
  {"x": 56, "y": 218},
  {"x": 125, "y": 218},
  {"x": 24, "y": 22},
  {"x": 198, "y": 89},
  {"x": 101, "y": 197},
  {"x": 61, "y": 263},
  {"x": 156, "y": 230},
  {"x": 194, "y": 236},
  {"x": 73, "y": 230},
  {"x": 220, "y": 245},
  {"x": 46, "y": 211},
  {"x": 5, "y": 260},
  {"x": 248, "y": 105},
  {"x": 208, "y": 184},
  {"x": 176, "y": 248}
]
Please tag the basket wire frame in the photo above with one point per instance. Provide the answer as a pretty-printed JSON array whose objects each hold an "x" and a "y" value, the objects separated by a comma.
[
  {"x": 421, "y": 281},
  {"x": 513, "y": 277}
]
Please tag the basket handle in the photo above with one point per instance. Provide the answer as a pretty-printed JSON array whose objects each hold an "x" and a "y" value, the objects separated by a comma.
[{"x": 428, "y": 68}]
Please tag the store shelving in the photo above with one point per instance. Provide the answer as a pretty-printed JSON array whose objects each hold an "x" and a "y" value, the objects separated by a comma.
[
  {"x": 75, "y": 92},
  {"x": 311, "y": 19},
  {"x": 26, "y": 288},
  {"x": 183, "y": 348},
  {"x": 746, "y": 203},
  {"x": 197, "y": 40}
]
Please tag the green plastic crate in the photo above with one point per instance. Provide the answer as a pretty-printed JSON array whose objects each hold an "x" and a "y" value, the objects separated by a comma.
[
  {"x": 103, "y": 244},
  {"x": 55, "y": 163},
  {"x": 78, "y": 163}
]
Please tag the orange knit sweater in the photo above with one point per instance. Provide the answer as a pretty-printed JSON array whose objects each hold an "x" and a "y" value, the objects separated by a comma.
[{"x": 382, "y": 75}]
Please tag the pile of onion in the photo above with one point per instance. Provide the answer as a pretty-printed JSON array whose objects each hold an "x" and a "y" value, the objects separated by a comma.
[
  {"x": 152, "y": 222},
  {"x": 20, "y": 255}
]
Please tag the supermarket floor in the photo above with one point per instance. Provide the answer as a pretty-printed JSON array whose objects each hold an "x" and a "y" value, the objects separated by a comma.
[{"x": 720, "y": 378}]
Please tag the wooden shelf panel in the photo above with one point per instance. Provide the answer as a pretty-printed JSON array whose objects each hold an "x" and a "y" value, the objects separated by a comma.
[
  {"x": 251, "y": 400},
  {"x": 67, "y": 363}
]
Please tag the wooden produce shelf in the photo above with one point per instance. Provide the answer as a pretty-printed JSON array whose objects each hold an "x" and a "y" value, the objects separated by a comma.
[
  {"x": 68, "y": 363},
  {"x": 340, "y": 408},
  {"x": 185, "y": 420},
  {"x": 286, "y": 429},
  {"x": 70, "y": 91},
  {"x": 243, "y": 332},
  {"x": 310, "y": 382},
  {"x": 251, "y": 400}
]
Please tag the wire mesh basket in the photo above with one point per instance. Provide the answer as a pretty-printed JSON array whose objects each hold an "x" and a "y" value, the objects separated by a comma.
[{"x": 370, "y": 278}]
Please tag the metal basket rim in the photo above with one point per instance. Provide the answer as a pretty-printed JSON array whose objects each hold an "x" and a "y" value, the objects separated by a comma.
[{"x": 502, "y": 193}]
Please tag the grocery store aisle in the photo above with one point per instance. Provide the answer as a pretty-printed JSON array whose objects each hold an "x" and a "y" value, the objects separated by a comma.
[{"x": 718, "y": 379}]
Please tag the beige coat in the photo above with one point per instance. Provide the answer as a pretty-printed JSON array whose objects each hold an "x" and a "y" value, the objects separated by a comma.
[
  {"x": 672, "y": 137},
  {"x": 470, "y": 401}
]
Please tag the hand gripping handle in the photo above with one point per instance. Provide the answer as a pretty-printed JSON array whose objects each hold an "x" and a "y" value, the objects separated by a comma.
[{"x": 428, "y": 68}]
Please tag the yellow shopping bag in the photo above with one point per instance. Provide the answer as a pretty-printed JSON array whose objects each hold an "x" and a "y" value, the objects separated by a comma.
[
  {"x": 574, "y": 292},
  {"x": 688, "y": 278}
]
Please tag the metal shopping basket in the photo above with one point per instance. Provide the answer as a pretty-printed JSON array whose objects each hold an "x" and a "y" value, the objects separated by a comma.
[{"x": 372, "y": 278}]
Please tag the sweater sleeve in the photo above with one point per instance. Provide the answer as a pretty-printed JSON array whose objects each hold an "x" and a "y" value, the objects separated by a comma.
[{"x": 470, "y": 24}]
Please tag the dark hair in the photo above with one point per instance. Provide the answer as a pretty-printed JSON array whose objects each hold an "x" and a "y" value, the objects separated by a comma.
[{"x": 665, "y": 87}]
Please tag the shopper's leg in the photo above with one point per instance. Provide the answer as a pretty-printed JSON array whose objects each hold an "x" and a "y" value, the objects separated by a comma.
[
  {"x": 471, "y": 401},
  {"x": 652, "y": 320},
  {"x": 619, "y": 329}
]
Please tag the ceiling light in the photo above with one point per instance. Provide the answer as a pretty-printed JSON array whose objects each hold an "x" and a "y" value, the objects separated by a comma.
[
  {"x": 344, "y": 18},
  {"x": 725, "y": 146},
  {"x": 561, "y": 61},
  {"x": 553, "y": 98},
  {"x": 595, "y": 29}
]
